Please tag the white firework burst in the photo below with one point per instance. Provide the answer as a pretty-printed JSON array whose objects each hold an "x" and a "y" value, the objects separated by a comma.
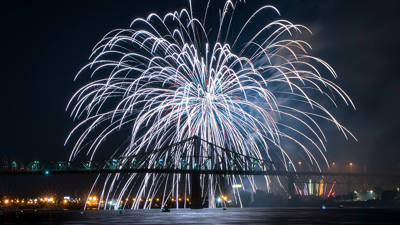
[{"x": 166, "y": 78}]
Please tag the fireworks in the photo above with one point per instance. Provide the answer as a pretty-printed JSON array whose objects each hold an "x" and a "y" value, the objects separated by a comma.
[{"x": 255, "y": 91}]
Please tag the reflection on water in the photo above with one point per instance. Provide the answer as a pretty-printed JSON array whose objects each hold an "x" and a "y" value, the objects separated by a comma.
[{"x": 281, "y": 216}]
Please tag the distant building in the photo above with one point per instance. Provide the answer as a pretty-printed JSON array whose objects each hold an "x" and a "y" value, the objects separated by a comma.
[{"x": 3, "y": 162}]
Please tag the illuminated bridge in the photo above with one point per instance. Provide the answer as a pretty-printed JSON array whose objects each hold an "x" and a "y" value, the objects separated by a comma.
[{"x": 216, "y": 160}]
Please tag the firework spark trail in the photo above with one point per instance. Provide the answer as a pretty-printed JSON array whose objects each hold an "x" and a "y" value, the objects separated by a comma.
[{"x": 168, "y": 80}]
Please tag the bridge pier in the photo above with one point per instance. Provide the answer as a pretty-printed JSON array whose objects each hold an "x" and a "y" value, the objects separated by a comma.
[
  {"x": 290, "y": 186},
  {"x": 196, "y": 192},
  {"x": 197, "y": 202}
]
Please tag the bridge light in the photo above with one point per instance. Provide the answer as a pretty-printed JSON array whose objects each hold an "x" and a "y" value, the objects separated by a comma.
[
  {"x": 300, "y": 163},
  {"x": 46, "y": 172},
  {"x": 219, "y": 199},
  {"x": 350, "y": 163},
  {"x": 333, "y": 164}
]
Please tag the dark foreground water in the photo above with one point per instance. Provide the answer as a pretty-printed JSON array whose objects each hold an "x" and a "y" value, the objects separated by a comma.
[{"x": 281, "y": 216}]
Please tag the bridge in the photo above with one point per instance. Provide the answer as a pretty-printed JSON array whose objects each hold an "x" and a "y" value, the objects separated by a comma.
[{"x": 193, "y": 156}]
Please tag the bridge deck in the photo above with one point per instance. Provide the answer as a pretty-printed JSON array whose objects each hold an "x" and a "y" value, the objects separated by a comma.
[{"x": 186, "y": 171}]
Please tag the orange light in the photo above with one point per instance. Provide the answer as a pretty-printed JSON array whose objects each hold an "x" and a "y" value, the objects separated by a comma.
[
  {"x": 300, "y": 163},
  {"x": 6, "y": 201},
  {"x": 350, "y": 164},
  {"x": 333, "y": 164},
  {"x": 157, "y": 199},
  {"x": 50, "y": 200}
]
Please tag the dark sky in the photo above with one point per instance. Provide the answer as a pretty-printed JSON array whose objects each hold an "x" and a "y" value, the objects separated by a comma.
[{"x": 44, "y": 44}]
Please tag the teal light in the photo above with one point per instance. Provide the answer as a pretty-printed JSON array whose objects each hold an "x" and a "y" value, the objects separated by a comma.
[{"x": 46, "y": 172}]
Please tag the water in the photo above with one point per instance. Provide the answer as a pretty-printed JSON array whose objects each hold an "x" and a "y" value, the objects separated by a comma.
[{"x": 272, "y": 216}]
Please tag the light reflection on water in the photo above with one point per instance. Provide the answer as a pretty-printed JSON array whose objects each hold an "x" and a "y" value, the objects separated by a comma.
[
  {"x": 271, "y": 216},
  {"x": 280, "y": 216}
]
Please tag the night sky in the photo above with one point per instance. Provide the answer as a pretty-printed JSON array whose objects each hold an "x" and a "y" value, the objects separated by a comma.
[{"x": 44, "y": 44}]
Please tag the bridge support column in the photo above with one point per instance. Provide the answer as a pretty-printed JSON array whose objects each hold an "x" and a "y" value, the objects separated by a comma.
[
  {"x": 197, "y": 202},
  {"x": 290, "y": 187},
  {"x": 196, "y": 192}
]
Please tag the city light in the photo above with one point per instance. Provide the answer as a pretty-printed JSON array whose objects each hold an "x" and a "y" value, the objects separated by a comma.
[
  {"x": 237, "y": 186},
  {"x": 350, "y": 164},
  {"x": 50, "y": 200},
  {"x": 92, "y": 201},
  {"x": 300, "y": 163}
]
